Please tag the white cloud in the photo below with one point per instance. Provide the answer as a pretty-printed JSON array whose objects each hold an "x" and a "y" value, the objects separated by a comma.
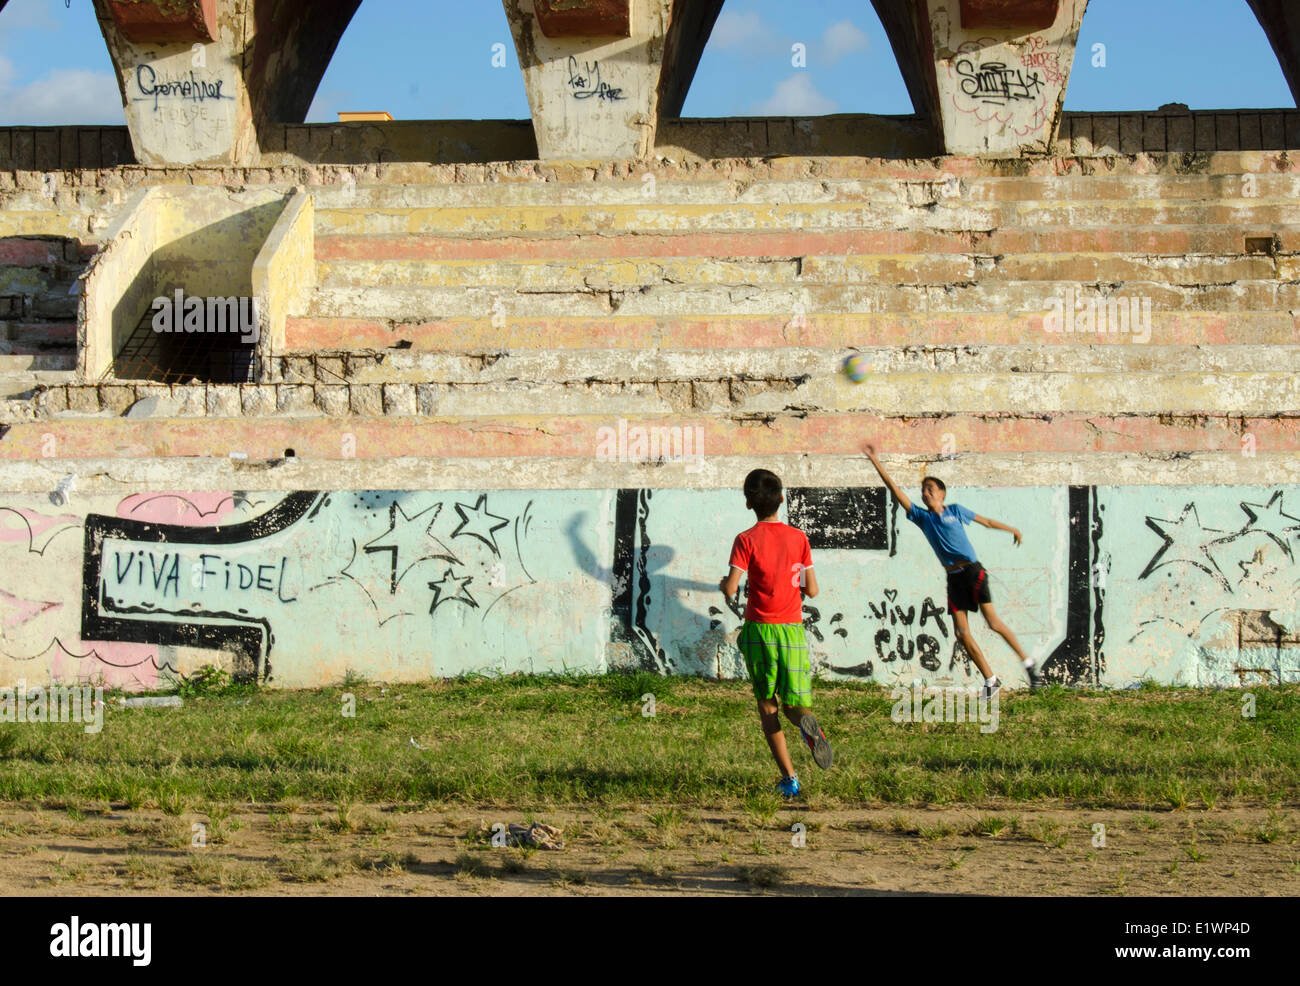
[
  {"x": 60, "y": 96},
  {"x": 747, "y": 31},
  {"x": 843, "y": 38},
  {"x": 796, "y": 96},
  {"x": 64, "y": 96},
  {"x": 31, "y": 15},
  {"x": 326, "y": 104}
]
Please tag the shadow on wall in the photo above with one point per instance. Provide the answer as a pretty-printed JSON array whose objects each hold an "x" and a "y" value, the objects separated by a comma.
[
  {"x": 399, "y": 141},
  {"x": 38, "y": 301},
  {"x": 69, "y": 148},
  {"x": 842, "y": 135},
  {"x": 213, "y": 260},
  {"x": 632, "y": 598}
]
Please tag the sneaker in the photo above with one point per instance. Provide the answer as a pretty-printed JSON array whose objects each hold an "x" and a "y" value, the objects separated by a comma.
[
  {"x": 816, "y": 740},
  {"x": 788, "y": 787},
  {"x": 1036, "y": 678},
  {"x": 988, "y": 691}
]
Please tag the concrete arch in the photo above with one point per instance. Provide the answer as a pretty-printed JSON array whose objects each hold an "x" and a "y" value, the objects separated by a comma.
[
  {"x": 1280, "y": 20},
  {"x": 201, "y": 79},
  {"x": 205, "y": 81}
]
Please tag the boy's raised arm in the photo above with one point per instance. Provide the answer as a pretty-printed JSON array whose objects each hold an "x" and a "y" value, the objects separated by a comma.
[
  {"x": 988, "y": 522},
  {"x": 899, "y": 495}
]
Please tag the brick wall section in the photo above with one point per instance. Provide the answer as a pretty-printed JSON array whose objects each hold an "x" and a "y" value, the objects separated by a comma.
[
  {"x": 316, "y": 390},
  {"x": 64, "y": 148},
  {"x": 483, "y": 141},
  {"x": 1110, "y": 134}
]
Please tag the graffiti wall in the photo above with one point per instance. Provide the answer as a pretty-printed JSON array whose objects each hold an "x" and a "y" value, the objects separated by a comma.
[{"x": 1111, "y": 585}]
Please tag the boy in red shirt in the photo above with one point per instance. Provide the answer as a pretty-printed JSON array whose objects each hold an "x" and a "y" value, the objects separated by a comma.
[{"x": 778, "y": 561}]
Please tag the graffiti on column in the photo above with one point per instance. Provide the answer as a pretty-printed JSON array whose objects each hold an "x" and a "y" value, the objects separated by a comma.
[
  {"x": 1038, "y": 54},
  {"x": 1006, "y": 88},
  {"x": 996, "y": 83},
  {"x": 190, "y": 88},
  {"x": 585, "y": 82}
]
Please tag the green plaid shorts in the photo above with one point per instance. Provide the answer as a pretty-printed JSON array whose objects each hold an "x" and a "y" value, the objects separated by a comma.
[{"x": 776, "y": 655}]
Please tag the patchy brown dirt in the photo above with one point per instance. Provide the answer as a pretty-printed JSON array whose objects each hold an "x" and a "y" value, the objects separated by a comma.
[{"x": 366, "y": 851}]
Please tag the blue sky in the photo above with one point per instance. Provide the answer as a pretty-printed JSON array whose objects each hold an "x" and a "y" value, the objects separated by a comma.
[{"x": 431, "y": 59}]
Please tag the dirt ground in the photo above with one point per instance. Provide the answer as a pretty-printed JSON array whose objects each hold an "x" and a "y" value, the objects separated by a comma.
[{"x": 363, "y": 851}]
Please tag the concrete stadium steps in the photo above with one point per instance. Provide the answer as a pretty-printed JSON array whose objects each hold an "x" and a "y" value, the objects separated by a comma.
[
  {"x": 750, "y": 393},
  {"x": 1166, "y": 240},
  {"x": 784, "y": 363},
  {"x": 832, "y": 263},
  {"x": 950, "y": 215},
  {"x": 38, "y": 312},
  {"x": 349, "y": 201},
  {"x": 16, "y": 377},
  {"x": 11, "y": 363},
  {"x": 116, "y": 475},
  {"x": 43, "y": 271},
  {"x": 523, "y": 437},
  {"x": 484, "y": 334},
  {"x": 1244, "y": 298},
  {"x": 546, "y": 274},
  {"x": 36, "y": 338},
  {"x": 21, "y": 387},
  {"x": 71, "y": 221},
  {"x": 740, "y": 296},
  {"x": 889, "y": 211}
]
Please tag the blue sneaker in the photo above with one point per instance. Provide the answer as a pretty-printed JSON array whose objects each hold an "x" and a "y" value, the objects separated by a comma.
[{"x": 788, "y": 787}]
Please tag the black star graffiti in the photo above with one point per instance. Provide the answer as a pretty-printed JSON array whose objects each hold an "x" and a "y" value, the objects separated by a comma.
[
  {"x": 476, "y": 522},
  {"x": 1268, "y": 519},
  {"x": 390, "y": 540},
  {"x": 460, "y": 595},
  {"x": 1189, "y": 545}
]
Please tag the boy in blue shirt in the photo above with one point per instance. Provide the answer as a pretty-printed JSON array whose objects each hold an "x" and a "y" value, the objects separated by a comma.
[{"x": 968, "y": 586}]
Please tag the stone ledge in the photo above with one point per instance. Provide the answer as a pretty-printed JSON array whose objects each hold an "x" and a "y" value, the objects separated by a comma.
[
  {"x": 1175, "y": 153},
  {"x": 148, "y": 474}
]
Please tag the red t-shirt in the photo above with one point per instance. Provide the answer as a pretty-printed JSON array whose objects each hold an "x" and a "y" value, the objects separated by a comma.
[{"x": 774, "y": 556}]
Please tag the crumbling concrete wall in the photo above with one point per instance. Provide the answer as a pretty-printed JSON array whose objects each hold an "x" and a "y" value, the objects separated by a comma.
[
  {"x": 1193, "y": 585},
  {"x": 284, "y": 274},
  {"x": 1152, "y": 471},
  {"x": 205, "y": 239}
]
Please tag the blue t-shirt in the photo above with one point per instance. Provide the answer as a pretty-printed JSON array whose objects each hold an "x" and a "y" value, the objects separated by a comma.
[{"x": 944, "y": 531}]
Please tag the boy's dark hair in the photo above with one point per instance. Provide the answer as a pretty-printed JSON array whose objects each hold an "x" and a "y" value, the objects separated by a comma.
[
  {"x": 937, "y": 482},
  {"x": 763, "y": 492}
]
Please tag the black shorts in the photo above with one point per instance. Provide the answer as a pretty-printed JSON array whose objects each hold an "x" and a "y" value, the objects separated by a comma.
[{"x": 968, "y": 588}]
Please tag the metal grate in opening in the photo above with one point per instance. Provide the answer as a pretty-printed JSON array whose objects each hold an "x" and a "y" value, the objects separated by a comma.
[{"x": 179, "y": 357}]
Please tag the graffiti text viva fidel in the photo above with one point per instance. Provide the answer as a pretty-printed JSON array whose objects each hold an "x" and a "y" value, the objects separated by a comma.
[{"x": 164, "y": 571}]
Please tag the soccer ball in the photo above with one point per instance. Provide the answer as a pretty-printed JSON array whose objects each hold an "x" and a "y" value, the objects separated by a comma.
[{"x": 856, "y": 367}]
